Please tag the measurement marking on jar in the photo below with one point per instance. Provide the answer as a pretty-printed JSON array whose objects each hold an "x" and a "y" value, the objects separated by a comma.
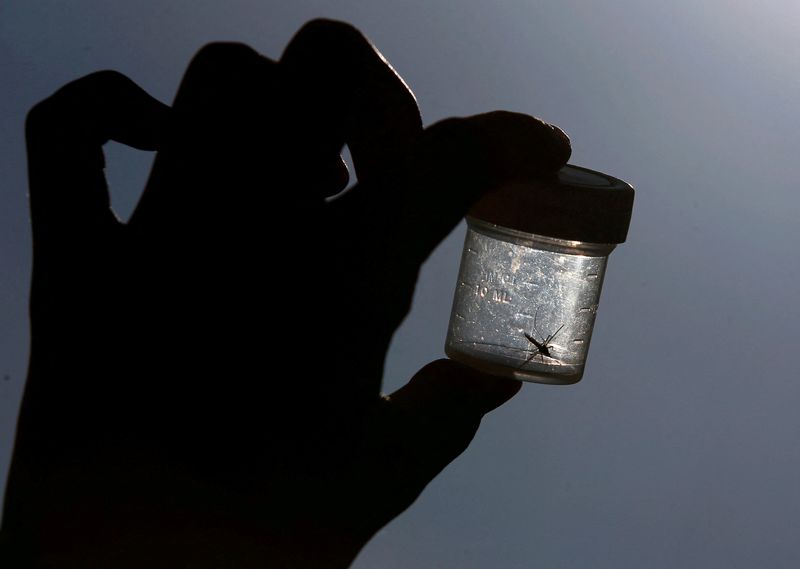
[
  {"x": 471, "y": 250},
  {"x": 578, "y": 341},
  {"x": 591, "y": 276},
  {"x": 459, "y": 316},
  {"x": 501, "y": 296}
]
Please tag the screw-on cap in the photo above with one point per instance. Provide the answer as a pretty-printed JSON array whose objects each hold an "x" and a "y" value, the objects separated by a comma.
[{"x": 574, "y": 203}]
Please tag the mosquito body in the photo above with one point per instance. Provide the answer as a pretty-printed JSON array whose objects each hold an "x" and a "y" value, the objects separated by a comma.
[{"x": 542, "y": 347}]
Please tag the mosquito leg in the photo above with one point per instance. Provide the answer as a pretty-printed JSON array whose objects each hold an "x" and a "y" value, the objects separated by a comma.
[
  {"x": 527, "y": 361},
  {"x": 535, "y": 317}
]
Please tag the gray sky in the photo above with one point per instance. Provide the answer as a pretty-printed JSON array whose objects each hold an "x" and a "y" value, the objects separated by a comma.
[{"x": 680, "y": 446}]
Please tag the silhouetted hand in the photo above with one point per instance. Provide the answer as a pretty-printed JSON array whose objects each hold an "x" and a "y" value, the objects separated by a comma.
[{"x": 204, "y": 386}]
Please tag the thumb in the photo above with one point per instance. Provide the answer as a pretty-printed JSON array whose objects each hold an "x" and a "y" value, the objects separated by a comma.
[
  {"x": 449, "y": 386},
  {"x": 427, "y": 423},
  {"x": 438, "y": 412}
]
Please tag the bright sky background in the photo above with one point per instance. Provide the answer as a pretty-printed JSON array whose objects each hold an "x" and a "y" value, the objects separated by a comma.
[{"x": 680, "y": 446}]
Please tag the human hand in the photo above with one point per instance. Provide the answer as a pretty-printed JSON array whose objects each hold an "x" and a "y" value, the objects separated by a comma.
[{"x": 204, "y": 383}]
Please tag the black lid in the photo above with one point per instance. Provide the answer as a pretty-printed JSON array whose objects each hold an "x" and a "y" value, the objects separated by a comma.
[{"x": 574, "y": 203}]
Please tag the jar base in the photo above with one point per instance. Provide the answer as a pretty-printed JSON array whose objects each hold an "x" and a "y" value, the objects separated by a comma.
[{"x": 534, "y": 373}]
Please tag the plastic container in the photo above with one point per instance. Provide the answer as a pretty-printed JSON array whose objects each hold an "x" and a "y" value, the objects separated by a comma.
[{"x": 531, "y": 274}]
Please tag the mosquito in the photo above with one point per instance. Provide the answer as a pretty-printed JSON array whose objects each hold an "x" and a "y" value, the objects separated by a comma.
[{"x": 543, "y": 347}]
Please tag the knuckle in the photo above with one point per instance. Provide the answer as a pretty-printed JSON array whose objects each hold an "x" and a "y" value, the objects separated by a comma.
[
  {"x": 328, "y": 42},
  {"x": 47, "y": 116},
  {"x": 450, "y": 123},
  {"x": 215, "y": 68},
  {"x": 105, "y": 76},
  {"x": 104, "y": 81},
  {"x": 452, "y": 131},
  {"x": 72, "y": 100},
  {"x": 37, "y": 117},
  {"x": 329, "y": 29},
  {"x": 216, "y": 54}
]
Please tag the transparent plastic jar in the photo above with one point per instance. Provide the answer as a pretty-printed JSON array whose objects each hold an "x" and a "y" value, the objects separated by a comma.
[{"x": 531, "y": 274}]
